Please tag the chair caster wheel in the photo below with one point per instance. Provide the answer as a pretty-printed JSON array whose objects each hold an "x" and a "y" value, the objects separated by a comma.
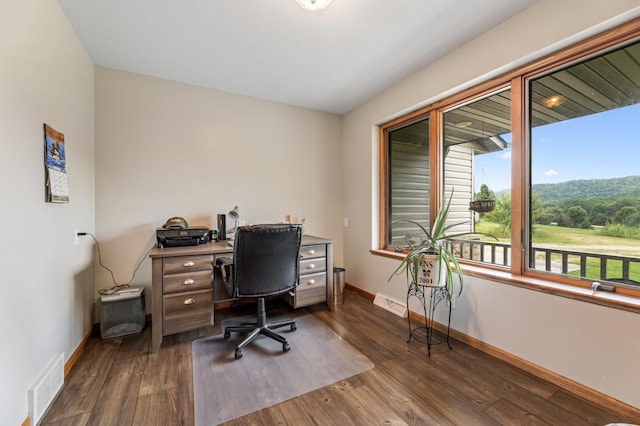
[
  {"x": 286, "y": 347},
  {"x": 227, "y": 335},
  {"x": 294, "y": 327},
  {"x": 238, "y": 354}
]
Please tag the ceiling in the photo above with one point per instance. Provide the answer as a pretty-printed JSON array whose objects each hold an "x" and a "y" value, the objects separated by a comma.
[{"x": 332, "y": 60}]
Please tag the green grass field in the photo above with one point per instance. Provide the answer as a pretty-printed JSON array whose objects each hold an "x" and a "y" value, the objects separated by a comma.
[{"x": 560, "y": 236}]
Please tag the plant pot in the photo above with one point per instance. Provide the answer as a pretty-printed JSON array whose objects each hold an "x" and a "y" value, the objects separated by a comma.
[
  {"x": 429, "y": 272},
  {"x": 482, "y": 206}
]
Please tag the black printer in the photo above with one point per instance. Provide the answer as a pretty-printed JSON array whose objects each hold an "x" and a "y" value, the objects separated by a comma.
[{"x": 177, "y": 233}]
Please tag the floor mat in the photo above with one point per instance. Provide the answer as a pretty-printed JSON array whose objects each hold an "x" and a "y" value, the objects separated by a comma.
[{"x": 225, "y": 388}]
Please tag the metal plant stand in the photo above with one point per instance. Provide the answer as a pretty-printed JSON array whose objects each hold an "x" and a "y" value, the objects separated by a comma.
[{"x": 436, "y": 295}]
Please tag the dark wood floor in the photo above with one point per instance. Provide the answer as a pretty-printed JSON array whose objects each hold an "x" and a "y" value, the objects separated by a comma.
[{"x": 117, "y": 382}]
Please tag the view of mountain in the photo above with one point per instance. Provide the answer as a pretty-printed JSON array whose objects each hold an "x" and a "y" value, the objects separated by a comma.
[{"x": 607, "y": 189}]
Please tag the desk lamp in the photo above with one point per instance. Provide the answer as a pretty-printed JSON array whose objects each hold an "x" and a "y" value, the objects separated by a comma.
[{"x": 235, "y": 215}]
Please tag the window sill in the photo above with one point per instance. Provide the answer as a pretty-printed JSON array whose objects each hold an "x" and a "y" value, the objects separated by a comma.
[
  {"x": 612, "y": 300},
  {"x": 603, "y": 298}
]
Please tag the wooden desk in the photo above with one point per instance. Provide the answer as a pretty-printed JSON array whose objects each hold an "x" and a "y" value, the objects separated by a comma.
[{"x": 184, "y": 288}]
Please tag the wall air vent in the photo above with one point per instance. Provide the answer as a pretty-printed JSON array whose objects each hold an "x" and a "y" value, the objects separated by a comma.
[{"x": 45, "y": 388}]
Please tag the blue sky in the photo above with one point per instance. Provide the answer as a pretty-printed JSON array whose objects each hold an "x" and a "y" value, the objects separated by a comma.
[{"x": 597, "y": 146}]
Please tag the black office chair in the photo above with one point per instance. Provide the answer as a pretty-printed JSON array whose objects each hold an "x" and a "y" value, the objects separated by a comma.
[{"x": 265, "y": 262}]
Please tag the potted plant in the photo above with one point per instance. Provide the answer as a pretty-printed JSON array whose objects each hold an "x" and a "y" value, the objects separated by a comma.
[
  {"x": 484, "y": 201},
  {"x": 430, "y": 261}
]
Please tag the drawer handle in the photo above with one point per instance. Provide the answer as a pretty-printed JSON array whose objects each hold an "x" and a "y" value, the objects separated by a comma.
[
  {"x": 188, "y": 281},
  {"x": 311, "y": 251},
  {"x": 312, "y": 281},
  {"x": 189, "y": 301},
  {"x": 188, "y": 264},
  {"x": 312, "y": 266}
]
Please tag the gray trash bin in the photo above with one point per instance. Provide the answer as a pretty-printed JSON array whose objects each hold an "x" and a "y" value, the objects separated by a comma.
[{"x": 338, "y": 285}]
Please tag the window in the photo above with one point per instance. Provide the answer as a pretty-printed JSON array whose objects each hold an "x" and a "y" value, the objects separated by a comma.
[
  {"x": 477, "y": 175},
  {"x": 584, "y": 205},
  {"x": 408, "y": 180},
  {"x": 544, "y": 158}
]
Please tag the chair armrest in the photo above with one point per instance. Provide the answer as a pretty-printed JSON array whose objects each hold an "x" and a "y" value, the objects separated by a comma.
[{"x": 225, "y": 264}]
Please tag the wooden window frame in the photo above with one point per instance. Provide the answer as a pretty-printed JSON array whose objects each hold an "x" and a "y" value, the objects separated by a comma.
[
  {"x": 516, "y": 80},
  {"x": 385, "y": 130}
]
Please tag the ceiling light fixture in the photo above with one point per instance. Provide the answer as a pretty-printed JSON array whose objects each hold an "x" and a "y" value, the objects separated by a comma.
[
  {"x": 553, "y": 101},
  {"x": 313, "y": 5}
]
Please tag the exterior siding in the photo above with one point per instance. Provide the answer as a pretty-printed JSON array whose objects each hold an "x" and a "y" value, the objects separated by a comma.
[{"x": 458, "y": 176}]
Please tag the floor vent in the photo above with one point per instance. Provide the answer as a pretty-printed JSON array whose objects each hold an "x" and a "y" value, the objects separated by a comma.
[
  {"x": 45, "y": 388},
  {"x": 390, "y": 305}
]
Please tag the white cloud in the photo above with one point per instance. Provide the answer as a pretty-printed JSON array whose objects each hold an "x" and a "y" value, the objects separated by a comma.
[
  {"x": 505, "y": 155},
  {"x": 551, "y": 172}
]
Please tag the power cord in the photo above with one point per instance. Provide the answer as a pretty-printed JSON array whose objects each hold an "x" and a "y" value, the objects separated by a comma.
[{"x": 116, "y": 286}]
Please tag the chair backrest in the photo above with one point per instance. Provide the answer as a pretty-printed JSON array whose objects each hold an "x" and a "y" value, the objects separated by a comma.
[{"x": 266, "y": 259}]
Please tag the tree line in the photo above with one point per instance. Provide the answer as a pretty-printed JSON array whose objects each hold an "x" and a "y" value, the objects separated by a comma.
[
  {"x": 589, "y": 202},
  {"x": 586, "y": 212},
  {"x": 605, "y": 189},
  {"x": 609, "y": 206}
]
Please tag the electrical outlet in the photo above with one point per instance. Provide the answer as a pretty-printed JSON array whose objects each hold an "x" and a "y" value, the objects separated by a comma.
[
  {"x": 76, "y": 237},
  {"x": 454, "y": 298},
  {"x": 345, "y": 222}
]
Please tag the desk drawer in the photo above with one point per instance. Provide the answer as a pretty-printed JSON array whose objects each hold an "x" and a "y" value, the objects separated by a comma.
[
  {"x": 177, "y": 265},
  {"x": 187, "y": 310},
  {"x": 312, "y": 281},
  {"x": 318, "y": 250},
  {"x": 187, "y": 282},
  {"x": 311, "y": 266},
  {"x": 311, "y": 290}
]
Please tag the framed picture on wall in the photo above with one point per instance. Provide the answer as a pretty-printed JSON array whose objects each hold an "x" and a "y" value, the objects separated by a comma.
[{"x": 55, "y": 175}]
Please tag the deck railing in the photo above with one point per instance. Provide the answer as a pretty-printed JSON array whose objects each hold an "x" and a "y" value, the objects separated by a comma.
[{"x": 549, "y": 259}]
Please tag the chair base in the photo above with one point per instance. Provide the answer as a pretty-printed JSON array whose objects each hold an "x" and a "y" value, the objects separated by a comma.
[{"x": 261, "y": 327}]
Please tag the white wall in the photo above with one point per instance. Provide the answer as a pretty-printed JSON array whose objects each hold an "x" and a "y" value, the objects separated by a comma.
[
  {"x": 167, "y": 149},
  {"x": 562, "y": 335},
  {"x": 47, "y": 281}
]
